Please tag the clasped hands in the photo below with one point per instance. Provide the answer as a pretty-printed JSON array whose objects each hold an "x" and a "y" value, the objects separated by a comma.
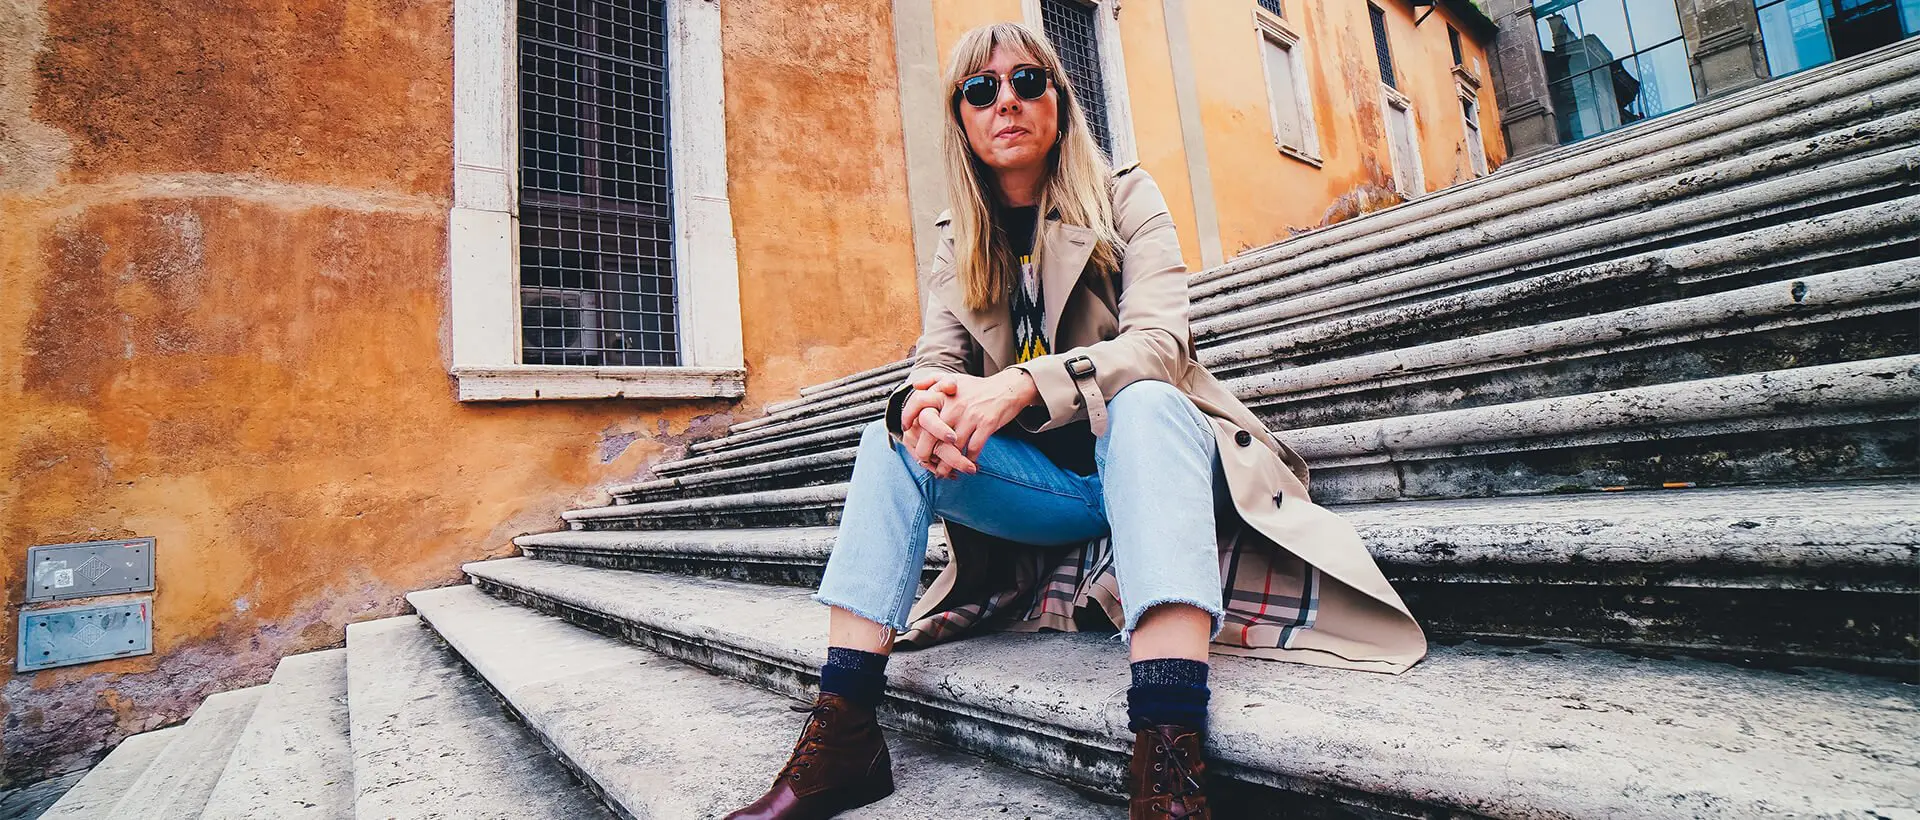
[{"x": 949, "y": 416}]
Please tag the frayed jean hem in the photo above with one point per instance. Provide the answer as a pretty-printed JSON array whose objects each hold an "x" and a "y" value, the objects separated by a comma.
[
  {"x": 882, "y": 621},
  {"x": 1134, "y": 614}
]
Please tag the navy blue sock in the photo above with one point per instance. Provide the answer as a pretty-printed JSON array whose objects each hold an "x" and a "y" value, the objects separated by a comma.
[
  {"x": 858, "y": 676},
  {"x": 1168, "y": 690}
]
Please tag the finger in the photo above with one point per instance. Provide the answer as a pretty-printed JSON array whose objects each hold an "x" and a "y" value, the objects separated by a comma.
[
  {"x": 931, "y": 422},
  {"x": 923, "y": 446},
  {"x": 978, "y": 442},
  {"x": 953, "y": 459},
  {"x": 920, "y": 400}
]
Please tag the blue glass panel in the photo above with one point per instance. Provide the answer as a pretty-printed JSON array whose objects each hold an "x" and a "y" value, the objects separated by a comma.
[
  {"x": 1605, "y": 22},
  {"x": 1654, "y": 22},
  {"x": 1666, "y": 83},
  {"x": 1795, "y": 35}
]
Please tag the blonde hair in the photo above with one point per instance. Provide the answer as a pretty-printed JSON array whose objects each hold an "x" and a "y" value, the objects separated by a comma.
[{"x": 1078, "y": 181}]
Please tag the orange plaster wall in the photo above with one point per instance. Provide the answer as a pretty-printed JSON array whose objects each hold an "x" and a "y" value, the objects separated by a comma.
[
  {"x": 223, "y": 244},
  {"x": 1263, "y": 195}
]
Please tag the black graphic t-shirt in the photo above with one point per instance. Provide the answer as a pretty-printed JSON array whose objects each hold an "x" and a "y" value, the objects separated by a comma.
[{"x": 1070, "y": 447}]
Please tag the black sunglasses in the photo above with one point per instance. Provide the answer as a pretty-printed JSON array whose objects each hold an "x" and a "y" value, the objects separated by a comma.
[{"x": 981, "y": 90}]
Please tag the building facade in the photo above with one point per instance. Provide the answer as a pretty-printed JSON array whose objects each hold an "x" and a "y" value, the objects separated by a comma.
[
  {"x": 331, "y": 297},
  {"x": 1572, "y": 69}
]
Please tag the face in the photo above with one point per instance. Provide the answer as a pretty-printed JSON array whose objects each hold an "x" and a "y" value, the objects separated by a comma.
[{"x": 1012, "y": 134}]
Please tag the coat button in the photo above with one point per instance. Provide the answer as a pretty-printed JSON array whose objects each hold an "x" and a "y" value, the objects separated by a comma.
[{"x": 1243, "y": 438}]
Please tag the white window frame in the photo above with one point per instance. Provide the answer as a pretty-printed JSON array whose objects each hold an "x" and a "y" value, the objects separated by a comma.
[
  {"x": 1470, "y": 117},
  {"x": 1113, "y": 73},
  {"x": 483, "y": 226},
  {"x": 1272, "y": 29},
  {"x": 1410, "y": 182}
]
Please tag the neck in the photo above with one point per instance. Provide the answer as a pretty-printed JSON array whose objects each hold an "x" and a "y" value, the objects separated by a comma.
[{"x": 1021, "y": 188}]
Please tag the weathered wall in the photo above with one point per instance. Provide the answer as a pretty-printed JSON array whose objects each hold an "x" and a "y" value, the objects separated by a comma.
[
  {"x": 224, "y": 257},
  {"x": 1264, "y": 195}
]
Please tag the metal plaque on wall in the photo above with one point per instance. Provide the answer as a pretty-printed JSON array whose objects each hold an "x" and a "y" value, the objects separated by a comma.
[
  {"x": 89, "y": 632},
  {"x": 56, "y": 572}
]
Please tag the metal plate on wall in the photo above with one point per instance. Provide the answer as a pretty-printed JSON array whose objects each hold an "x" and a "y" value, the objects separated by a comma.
[
  {"x": 80, "y": 634},
  {"x": 56, "y": 572}
]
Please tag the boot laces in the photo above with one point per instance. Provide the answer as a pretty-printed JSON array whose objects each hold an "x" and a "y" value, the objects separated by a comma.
[
  {"x": 1177, "y": 778},
  {"x": 810, "y": 740}
]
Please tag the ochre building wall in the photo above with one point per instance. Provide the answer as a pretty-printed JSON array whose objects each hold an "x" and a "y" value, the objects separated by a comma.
[{"x": 223, "y": 243}]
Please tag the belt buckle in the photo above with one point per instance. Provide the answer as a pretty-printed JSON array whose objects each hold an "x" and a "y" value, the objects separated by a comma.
[{"x": 1074, "y": 367}]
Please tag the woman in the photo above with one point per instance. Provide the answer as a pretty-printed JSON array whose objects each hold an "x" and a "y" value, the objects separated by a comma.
[{"x": 1055, "y": 399}]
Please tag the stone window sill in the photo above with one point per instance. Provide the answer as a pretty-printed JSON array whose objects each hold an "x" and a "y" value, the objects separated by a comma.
[
  {"x": 532, "y": 382},
  {"x": 1298, "y": 155}
]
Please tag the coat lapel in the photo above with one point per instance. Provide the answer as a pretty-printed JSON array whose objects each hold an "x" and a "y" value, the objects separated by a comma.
[
  {"x": 989, "y": 327},
  {"x": 1063, "y": 257}
]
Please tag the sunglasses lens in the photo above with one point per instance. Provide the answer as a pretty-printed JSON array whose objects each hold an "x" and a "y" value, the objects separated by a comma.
[
  {"x": 1029, "y": 83},
  {"x": 980, "y": 92}
]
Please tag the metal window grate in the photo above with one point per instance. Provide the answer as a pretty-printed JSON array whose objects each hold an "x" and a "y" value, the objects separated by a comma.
[
  {"x": 1069, "y": 24},
  {"x": 1275, "y": 7},
  {"x": 1380, "y": 45},
  {"x": 596, "y": 229}
]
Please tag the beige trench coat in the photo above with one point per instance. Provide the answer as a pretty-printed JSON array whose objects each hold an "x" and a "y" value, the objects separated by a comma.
[{"x": 1134, "y": 327}]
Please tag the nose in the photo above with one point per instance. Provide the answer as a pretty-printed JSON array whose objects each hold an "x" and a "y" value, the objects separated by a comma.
[{"x": 1008, "y": 101}]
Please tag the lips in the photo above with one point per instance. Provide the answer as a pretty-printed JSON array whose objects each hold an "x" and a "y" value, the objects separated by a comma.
[{"x": 1009, "y": 132}]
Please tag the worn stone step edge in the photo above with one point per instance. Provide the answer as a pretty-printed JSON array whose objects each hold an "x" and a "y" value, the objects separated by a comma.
[
  {"x": 1716, "y": 197},
  {"x": 778, "y": 447},
  {"x": 1597, "y": 733},
  {"x": 1840, "y": 536},
  {"x": 664, "y": 739},
  {"x": 870, "y": 373},
  {"x": 890, "y": 374},
  {"x": 1884, "y": 287},
  {"x": 431, "y": 741},
  {"x": 294, "y": 758},
  {"x": 629, "y": 493},
  {"x": 806, "y": 408},
  {"x": 1633, "y": 234},
  {"x": 104, "y": 785},
  {"x": 1675, "y": 141},
  {"x": 176, "y": 785},
  {"x": 1784, "y": 399},
  {"x": 1317, "y": 321},
  {"x": 1809, "y": 301}
]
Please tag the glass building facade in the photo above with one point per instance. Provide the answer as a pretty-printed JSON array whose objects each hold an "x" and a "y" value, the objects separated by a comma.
[
  {"x": 1612, "y": 62},
  {"x": 1802, "y": 34}
]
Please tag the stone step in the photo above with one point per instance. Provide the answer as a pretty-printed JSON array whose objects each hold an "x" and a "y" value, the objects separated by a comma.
[
  {"x": 295, "y": 758},
  {"x": 815, "y": 406},
  {"x": 660, "y": 738},
  {"x": 1890, "y": 177},
  {"x": 101, "y": 789},
  {"x": 176, "y": 785},
  {"x": 876, "y": 373},
  {"x": 1790, "y": 425},
  {"x": 431, "y": 741},
  {"x": 1785, "y": 114},
  {"x": 1595, "y": 733},
  {"x": 1701, "y": 570}
]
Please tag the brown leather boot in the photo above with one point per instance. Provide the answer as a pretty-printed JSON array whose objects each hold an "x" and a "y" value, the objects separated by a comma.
[
  {"x": 841, "y": 763},
  {"x": 1168, "y": 777}
]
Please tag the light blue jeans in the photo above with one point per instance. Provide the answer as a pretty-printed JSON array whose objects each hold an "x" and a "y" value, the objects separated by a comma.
[{"x": 1158, "y": 468}]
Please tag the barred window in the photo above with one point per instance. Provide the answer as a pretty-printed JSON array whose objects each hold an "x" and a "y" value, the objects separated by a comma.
[
  {"x": 1070, "y": 26},
  {"x": 1380, "y": 47},
  {"x": 596, "y": 230},
  {"x": 1274, "y": 6}
]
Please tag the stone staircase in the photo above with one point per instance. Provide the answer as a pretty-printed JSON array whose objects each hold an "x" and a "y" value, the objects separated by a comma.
[{"x": 1632, "y": 426}]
